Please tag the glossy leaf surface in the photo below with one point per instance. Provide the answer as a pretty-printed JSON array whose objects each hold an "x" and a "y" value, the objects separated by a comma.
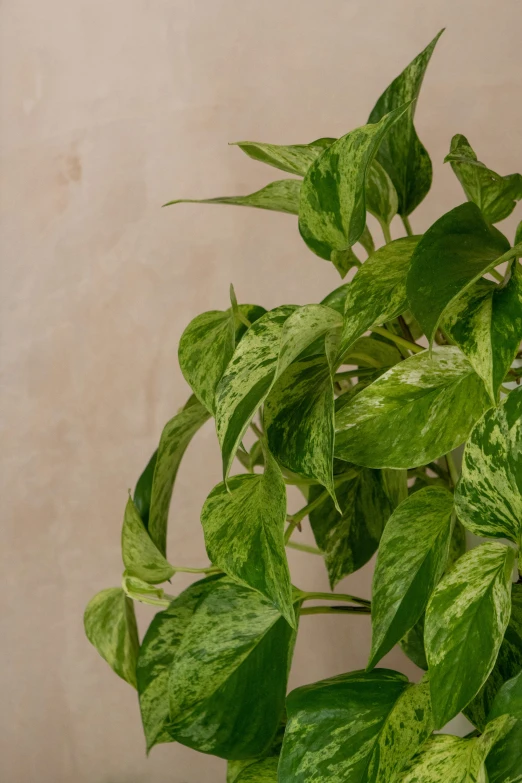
[
  {"x": 381, "y": 197},
  {"x": 293, "y": 158},
  {"x": 279, "y": 196},
  {"x": 143, "y": 489},
  {"x": 110, "y": 625},
  {"x": 141, "y": 556}
]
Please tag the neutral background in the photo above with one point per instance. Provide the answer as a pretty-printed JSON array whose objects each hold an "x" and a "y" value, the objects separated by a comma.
[{"x": 109, "y": 109}]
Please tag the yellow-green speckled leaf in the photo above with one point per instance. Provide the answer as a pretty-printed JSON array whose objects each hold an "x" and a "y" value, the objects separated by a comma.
[
  {"x": 236, "y": 768},
  {"x": 243, "y": 525},
  {"x": 141, "y": 556},
  {"x": 332, "y": 207},
  {"x": 417, "y": 411},
  {"x": 489, "y": 494},
  {"x": 110, "y": 625},
  {"x": 264, "y": 771},
  {"x": 412, "y": 557},
  {"x": 496, "y": 196},
  {"x": 504, "y": 763},
  {"x": 279, "y": 196},
  {"x": 401, "y": 153},
  {"x": 466, "y": 619},
  {"x": 381, "y": 197},
  {"x": 293, "y": 158}
]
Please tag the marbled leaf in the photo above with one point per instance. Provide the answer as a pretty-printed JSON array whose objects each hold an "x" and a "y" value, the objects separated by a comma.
[
  {"x": 412, "y": 644},
  {"x": 293, "y": 158},
  {"x": 264, "y": 771},
  {"x": 141, "y": 556},
  {"x": 381, "y": 197},
  {"x": 466, "y": 618},
  {"x": 489, "y": 495},
  {"x": 496, "y": 196},
  {"x": 332, "y": 207},
  {"x": 504, "y": 762},
  {"x": 176, "y": 436},
  {"x": 401, "y": 153},
  {"x": 279, "y": 196},
  {"x": 412, "y": 558},
  {"x": 110, "y": 625},
  {"x": 143, "y": 489},
  {"x": 414, "y": 413},
  {"x": 452, "y": 255},
  {"x": 243, "y": 525}
]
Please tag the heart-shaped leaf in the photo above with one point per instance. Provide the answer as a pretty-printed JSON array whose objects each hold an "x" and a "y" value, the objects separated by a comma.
[{"x": 110, "y": 625}]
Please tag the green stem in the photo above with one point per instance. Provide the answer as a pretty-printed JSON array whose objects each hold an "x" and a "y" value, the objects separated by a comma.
[
  {"x": 497, "y": 275},
  {"x": 335, "y": 610},
  {"x": 186, "y": 570},
  {"x": 255, "y": 428},
  {"x": 334, "y": 597},
  {"x": 452, "y": 468},
  {"x": 398, "y": 340},
  {"x": 312, "y": 550},
  {"x": 407, "y": 225},
  {"x": 386, "y": 231}
]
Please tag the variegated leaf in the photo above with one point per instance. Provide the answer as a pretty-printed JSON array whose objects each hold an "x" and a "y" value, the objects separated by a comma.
[
  {"x": 110, "y": 626},
  {"x": 332, "y": 207},
  {"x": 349, "y": 539},
  {"x": 264, "y": 771},
  {"x": 414, "y": 413},
  {"x": 496, "y": 196},
  {"x": 279, "y": 196},
  {"x": 238, "y": 767},
  {"x": 504, "y": 763},
  {"x": 228, "y": 676},
  {"x": 381, "y": 197},
  {"x": 489, "y": 495},
  {"x": 243, "y": 525},
  {"x": 372, "y": 352},
  {"x": 141, "y": 556},
  {"x": 176, "y": 436},
  {"x": 412, "y": 557},
  {"x": 348, "y": 727},
  {"x": 450, "y": 258},
  {"x": 377, "y": 293},
  {"x": 293, "y": 158},
  {"x": 143, "y": 489},
  {"x": 466, "y": 618},
  {"x": 206, "y": 347},
  {"x": 269, "y": 346},
  {"x": 448, "y": 759},
  {"x": 401, "y": 153},
  {"x": 412, "y": 644},
  {"x": 486, "y": 323}
]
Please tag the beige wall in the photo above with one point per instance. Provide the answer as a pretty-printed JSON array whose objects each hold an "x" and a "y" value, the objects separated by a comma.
[{"x": 109, "y": 108}]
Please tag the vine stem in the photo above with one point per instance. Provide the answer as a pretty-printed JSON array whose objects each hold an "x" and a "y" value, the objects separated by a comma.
[
  {"x": 312, "y": 550},
  {"x": 407, "y": 225},
  {"x": 398, "y": 340},
  {"x": 335, "y": 610},
  {"x": 497, "y": 275},
  {"x": 296, "y": 519},
  {"x": 305, "y": 596},
  {"x": 452, "y": 468},
  {"x": 386, "y": 232},
  {"x": 187, "y": 570}
]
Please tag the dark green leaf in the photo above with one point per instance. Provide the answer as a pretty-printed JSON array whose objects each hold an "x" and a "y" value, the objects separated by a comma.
[
  {"x": 206, "y": 347},
  {"x": 401, "y": 153},
  {"x": 377, "y": 293},
  {"x": 465, "y": 623},
  {"x": 279, "y": 196},
  {"x": 244, "y": 533},
  {"x": 452, "y": 255},
  {"x": 237, "y": 768},
  {"x": 293, "y": 158},
  {"x": 349, "y": 540},
  {"x": 412, "y": 644},
  {"x": 489, "y": 495},
  {"x": 332, "y": 208},
  {"x": 496, "y": 196},
  {"x": 370, "y": 352},
  {"x": 504, "y": 763},
  {"x": 176, "y": 436},
  {"x": 412, "y": 557},
  {"x": 110, "y": 625},
  {"x": 381, "y": 196},
  {"x": 264, "y": 771},
  {"x": 143, "y": 491},
  {"x": 141, "y": 556},
  {"x": 356, "y": 727},
  {"x": 413, "y": 414}
]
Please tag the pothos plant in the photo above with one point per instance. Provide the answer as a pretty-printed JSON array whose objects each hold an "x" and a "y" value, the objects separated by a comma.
[{"x": 359, "y": 401}]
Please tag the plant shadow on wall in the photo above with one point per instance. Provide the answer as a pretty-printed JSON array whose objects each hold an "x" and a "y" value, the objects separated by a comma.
[{"x": 347, "y": 405}]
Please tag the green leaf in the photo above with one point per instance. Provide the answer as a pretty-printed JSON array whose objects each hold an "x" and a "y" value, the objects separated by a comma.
[
  {"x": 518, "y": 236},
  {"x": 507, "y": 665},
  {"x": 269, "y": 346},
  {"x": 371, "y": 352},
  {"x": 350, "y": 539},
  {"x": 244, "y": 533},
  {"x": 228, "y": 675},
  {"x": 293, "y": 158},
  {"x": 486, "y": 323},
  {"x": 264, "y": 771},
  {"x": 143, "y": 490},
  {"x": 412, "y": 644},
  {"x": 206, "y": 347},
  {"x": 449, "y": 759},
  {"x": 495, "y": 196},
  {"x": 299, "y": 420},
  {"x": 110, "y": 625},
  {"x": 412, "y": 558},
  {"x": 377, "y": 292},
  {"x": 332, "y": 208},
  {"x": 348, "y": 728},
  {"x": 504, "y": 763},
  {"x": 141, "y": 556},
  {"x": 176, "y": 436},
  {"x": 279, "y": 196},
  {"x": 452, "y": 255},
  {"x": 381, "y": 197},
  {"x": 465, "y": 623},
  {"x": 489, "y": 495},
  {"x": 401, "y": 153},
  {"x": 413, "y": 414},
  {"x": 236, "y": 768}
]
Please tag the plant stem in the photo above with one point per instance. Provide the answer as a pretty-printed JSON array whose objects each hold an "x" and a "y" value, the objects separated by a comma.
[
  {"x": 398, "y": 340},
  {"x": 407, "y": 225},
  {"x": 452, "y": 468},
  {"x": 312, "y": 550},
  {"x": 186, "y": 570},
  {"x": 386, "y": 231},
  {"x": 255, "y": 428},
  {"x": 497, "y": 275},
  {"x": 335, "y": 610},
  {"x": 334, "y": 596},
  {"x": 359, "y": 372}
]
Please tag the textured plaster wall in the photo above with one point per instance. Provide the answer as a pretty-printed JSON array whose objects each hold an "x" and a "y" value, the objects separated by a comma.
[{"x": 108, "y": 109}]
